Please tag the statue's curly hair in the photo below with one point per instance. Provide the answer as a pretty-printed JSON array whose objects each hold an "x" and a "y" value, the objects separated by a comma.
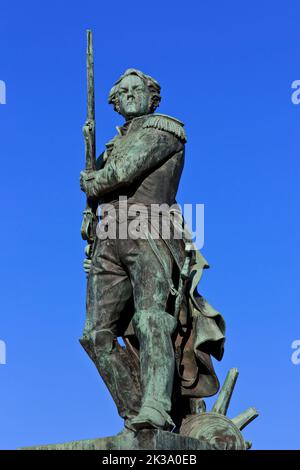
[{"x": 152, "y": 85}]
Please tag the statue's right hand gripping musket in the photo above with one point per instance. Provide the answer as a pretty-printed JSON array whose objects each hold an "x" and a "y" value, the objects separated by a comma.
[{"x": 88, "y": 227}]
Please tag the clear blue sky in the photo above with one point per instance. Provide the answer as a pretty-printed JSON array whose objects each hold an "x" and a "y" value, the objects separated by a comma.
[{"x": 226, "y": 70}]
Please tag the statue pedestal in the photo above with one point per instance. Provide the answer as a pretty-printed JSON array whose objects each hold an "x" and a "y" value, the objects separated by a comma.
[
  {"x": 146, "y": 439},
  {"x": 200, "y": 430}
]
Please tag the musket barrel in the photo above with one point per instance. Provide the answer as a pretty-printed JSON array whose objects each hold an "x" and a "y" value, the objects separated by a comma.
[
  {"x": 90, "y": 136},
  {"x": 89, "y": 217},
  {"x": 90, "y": 76}
]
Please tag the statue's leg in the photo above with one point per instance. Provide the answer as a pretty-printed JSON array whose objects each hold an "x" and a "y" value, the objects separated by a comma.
[
  {"x": 154, "y": 327},
  {"x": 108, "y": 291}
]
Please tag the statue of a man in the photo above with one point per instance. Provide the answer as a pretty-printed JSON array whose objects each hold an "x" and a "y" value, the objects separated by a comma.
[{"x": 144, "y": 288}]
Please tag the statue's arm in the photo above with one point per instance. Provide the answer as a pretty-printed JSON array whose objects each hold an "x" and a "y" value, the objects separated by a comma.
[{"x": 148, "y": 149}]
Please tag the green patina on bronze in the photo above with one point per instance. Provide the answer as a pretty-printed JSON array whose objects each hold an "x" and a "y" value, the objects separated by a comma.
[{"x": 144, "y": 289}]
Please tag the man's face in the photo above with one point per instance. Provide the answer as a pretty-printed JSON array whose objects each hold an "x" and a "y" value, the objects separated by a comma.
[{"x": 134, "y": 97}]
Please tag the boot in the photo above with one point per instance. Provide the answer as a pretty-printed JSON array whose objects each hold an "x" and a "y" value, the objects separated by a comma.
[{"x": 117, "y": 371}]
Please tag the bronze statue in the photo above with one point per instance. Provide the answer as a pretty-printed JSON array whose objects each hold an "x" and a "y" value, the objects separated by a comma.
[
  {"x": 143, "y": 271},
  {"x": 144, "y": 289}
]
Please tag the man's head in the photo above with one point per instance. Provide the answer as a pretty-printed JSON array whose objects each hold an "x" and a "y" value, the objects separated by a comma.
[{"x": 135, "y": 94}]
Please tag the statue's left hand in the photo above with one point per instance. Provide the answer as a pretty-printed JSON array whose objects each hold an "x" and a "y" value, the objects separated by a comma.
[
  {"x": 87, "y": 182},
  {"x": 87, "y": 265}
]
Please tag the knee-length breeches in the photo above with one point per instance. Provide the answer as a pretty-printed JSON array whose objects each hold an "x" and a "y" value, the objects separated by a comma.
[{"x": 122, "y": 270}]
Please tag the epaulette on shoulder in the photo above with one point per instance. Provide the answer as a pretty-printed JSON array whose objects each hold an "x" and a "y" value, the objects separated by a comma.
[{"x": 166, "y": 123}]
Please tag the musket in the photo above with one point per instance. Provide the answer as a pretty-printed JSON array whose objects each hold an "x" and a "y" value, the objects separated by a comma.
[{"x": 88, "y": 227}]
